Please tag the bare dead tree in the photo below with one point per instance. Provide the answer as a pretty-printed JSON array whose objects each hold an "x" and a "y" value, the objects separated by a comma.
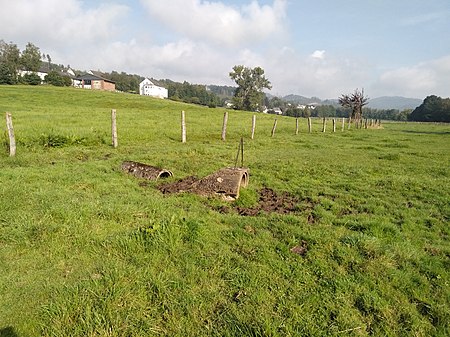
[{"x": 355, "y": 102}]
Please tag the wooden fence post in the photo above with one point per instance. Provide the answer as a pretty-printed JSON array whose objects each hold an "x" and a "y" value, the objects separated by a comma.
[
  {"x": 253, "y": 125},
  {"x": 349, "y": 122},
  {"x": 324, "y": 125},
  {"x": 12, "y": 138},
  {"x": 334, "y": 124},
  {"x": 114, "y": 128},
  {"x": 224, "y": 125},
  {"x": 183, "y": 127},
  {"x": 343, "y": 124},
  {"x": 274, "y": 127},
  {"x": 296, "y": 125},
  {"x": 309, "y": 125}
]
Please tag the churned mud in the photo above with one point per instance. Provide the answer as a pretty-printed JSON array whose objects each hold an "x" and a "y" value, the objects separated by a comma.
[{"x": 271, "y": 202}]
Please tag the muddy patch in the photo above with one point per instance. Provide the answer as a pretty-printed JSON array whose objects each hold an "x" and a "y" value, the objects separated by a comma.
[
  {"x": 301, "y": 249},
  {"x": 179, "y": 186},
  {"x": 269, "y": 202}
]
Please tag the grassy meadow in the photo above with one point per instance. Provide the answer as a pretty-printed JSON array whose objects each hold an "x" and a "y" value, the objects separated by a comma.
[{"x": 86, "y": 250}]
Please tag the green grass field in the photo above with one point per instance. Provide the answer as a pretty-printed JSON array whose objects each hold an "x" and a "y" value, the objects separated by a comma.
[{"x": 86, "y": 250}]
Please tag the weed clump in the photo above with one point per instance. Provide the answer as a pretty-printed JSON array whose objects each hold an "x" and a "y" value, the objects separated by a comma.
[{"x": 55, "y": 140}]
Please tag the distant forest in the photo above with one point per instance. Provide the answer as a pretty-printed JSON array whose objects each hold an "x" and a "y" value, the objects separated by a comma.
[{"x": 332, "y": 109}]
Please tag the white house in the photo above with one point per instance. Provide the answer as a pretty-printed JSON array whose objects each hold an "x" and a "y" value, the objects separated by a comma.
[
  {"x": 148, "y": 88},
  {"x": 42, "y": 72},
  {"x": 277, "y": 111}
]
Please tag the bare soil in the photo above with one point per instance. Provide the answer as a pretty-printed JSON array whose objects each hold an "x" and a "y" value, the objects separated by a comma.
[
  {"x": 179, "y": 186},
  {"x": 300, "y": 249},
  {"x": 271, "y": 202}
]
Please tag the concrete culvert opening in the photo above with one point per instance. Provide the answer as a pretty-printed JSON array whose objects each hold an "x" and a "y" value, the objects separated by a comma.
[
  {"x": 225, "y": 183},
  {"x": 244, "y": 179},
  {"x": 165, "y": 174},
  {"x": 145, "y": 171}
]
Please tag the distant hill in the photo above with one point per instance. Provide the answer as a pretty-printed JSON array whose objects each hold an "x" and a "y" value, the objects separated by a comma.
[
  {"x": 394, "y": 102},
  {"x": 297, "y": 99},
  {"x": 223, "y": 91}
]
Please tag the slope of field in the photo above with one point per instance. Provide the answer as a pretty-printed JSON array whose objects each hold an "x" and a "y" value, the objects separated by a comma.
[{"x": 360, "y": 248}]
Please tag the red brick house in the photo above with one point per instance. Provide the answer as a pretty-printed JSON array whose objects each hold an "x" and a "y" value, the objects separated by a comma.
[{"x": 94, "y": 82}]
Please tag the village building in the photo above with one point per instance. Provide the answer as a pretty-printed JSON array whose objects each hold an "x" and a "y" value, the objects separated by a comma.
[
  {"x": 42, "y": 72},
  {"x": 94, "y": 82},
  {"x": 277, "y": 111},
  {"x": 148, "y": 88}
]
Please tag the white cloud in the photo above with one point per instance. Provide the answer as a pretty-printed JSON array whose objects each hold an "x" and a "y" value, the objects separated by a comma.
[
  {"x": 420, "y": 80},
  {"x": 318, "y": 54},
  {"x": 55, "y": 22},
  {"x": 183, "y": 60},
  {"x": 292, "y": 73},
  {"x": 67, "y": 30},
  {"x": 216, "y": 22}
]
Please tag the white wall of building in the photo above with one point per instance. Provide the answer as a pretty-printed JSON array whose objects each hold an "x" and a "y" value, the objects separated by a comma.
[{"x": 147, "y": 88}]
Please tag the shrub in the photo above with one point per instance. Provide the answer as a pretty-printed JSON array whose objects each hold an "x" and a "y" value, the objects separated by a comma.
[
  {"x": 31, "y": 79},
  {"x": 55, "y": 140},
  {"x": 54, "y": 78}
]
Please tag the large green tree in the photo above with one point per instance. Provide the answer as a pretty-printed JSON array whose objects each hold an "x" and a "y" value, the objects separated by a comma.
[
  {"x": 30, "y": 59},
  {"x": 249, "y": 94},
  {"x": 9, "y": 62},
  {"x": 433, "y": 109}
]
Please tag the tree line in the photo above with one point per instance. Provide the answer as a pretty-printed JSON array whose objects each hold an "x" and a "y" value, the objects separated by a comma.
[
  {"x": 12, "y": 60},
  {"x": 30, "y": 61},
  {"x": 191, "y": 93},
  {"x": 333, "y": 110},
  {"x": 433, "y": 109}
]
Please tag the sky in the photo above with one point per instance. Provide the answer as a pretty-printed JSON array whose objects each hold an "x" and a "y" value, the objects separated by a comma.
[{"x": 320, "y": 48}]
